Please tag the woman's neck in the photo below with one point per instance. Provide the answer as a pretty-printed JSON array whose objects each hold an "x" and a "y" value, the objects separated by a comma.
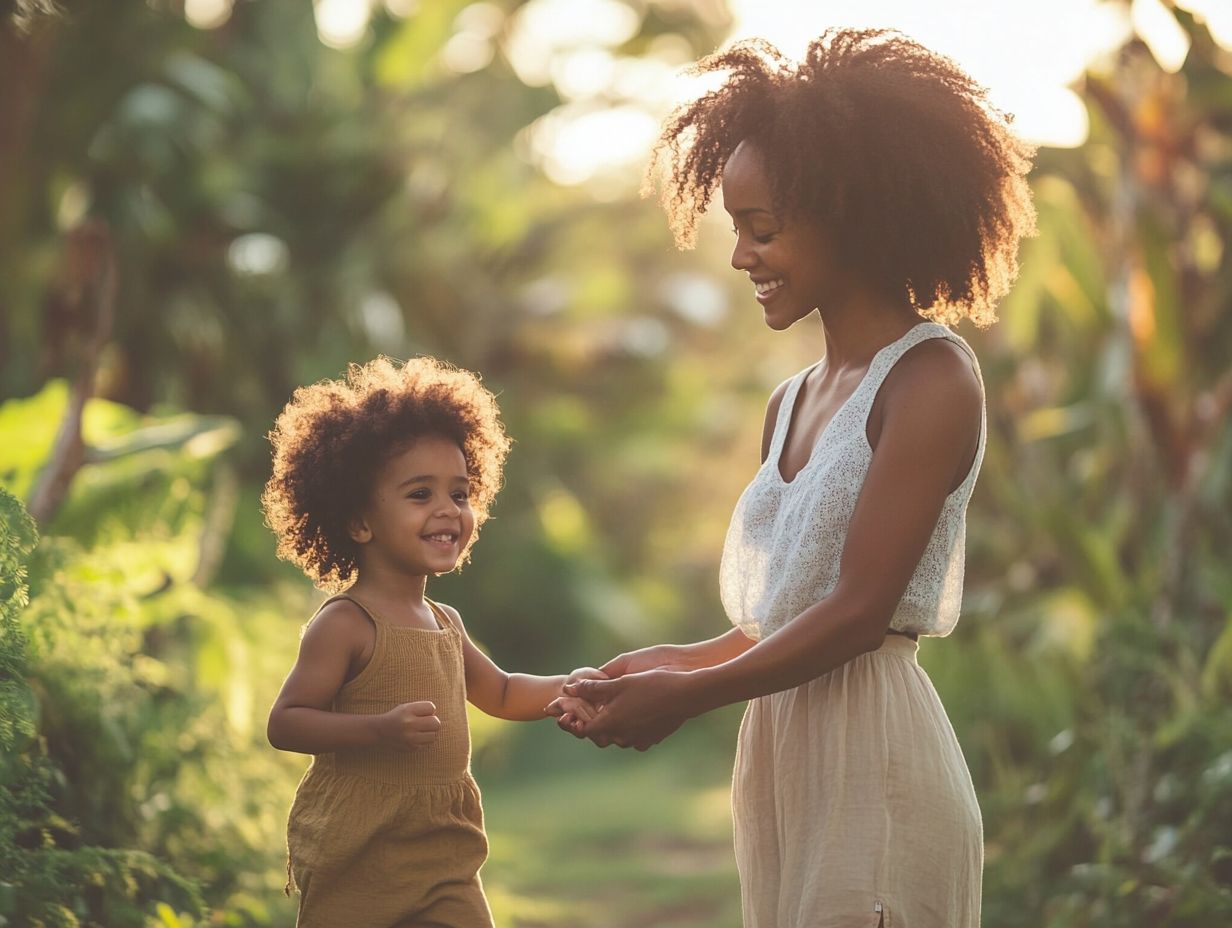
[{"x": 862, "y": 325}]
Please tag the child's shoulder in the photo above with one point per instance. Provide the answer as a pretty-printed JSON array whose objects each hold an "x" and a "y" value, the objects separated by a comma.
[
  {"x": 451, "y": 613},
  {"x": 339, "y": 618}
]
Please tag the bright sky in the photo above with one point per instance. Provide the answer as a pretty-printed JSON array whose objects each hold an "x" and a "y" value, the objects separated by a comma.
[{"x": 1027, "y": 52}]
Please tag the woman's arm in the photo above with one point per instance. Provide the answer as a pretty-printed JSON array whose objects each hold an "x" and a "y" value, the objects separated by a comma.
[
  {"x": 929, "y": 428},
  {"x": 693, "y": 656},
  {"x": 301, "y": 719},
  {"x": 657, "y": 657}
]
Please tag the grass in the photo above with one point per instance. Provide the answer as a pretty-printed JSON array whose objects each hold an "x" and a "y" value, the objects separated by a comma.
[{"x": 608, "y": 839}]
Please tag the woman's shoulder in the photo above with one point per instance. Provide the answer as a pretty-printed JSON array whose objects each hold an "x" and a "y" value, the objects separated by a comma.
[
  {"x": 943, "y": 368},
  {"x": 936, "y": 386}
]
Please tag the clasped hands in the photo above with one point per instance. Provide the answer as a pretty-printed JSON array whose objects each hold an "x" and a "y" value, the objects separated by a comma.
[{"x": 632, "y": 701}]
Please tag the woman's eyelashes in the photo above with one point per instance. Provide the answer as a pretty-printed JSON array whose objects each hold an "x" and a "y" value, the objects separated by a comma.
[{"x": 763, "y": 239}]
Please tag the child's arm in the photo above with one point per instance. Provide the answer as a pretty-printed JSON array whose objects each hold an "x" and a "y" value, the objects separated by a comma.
[
  {"x": 519, "y": 697},
  {"x": 337, "y": 641}
]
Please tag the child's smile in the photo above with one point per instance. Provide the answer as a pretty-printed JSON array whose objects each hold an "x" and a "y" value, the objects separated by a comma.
[{"x": 444, "y": 539}]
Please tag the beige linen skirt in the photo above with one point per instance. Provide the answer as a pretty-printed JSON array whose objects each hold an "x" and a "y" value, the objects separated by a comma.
[{"x": 852, "y": 803}]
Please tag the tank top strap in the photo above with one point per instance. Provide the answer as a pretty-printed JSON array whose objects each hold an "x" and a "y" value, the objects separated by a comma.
[
  {"x": 783, "y": 422},
  {"x": 885, "y": 359}
]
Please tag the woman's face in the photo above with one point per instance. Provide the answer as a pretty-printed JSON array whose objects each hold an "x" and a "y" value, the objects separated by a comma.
[{"x": 789, "y": 259}]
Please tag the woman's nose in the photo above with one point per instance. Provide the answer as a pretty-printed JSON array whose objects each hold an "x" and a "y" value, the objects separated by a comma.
[{"x": 742, "y": 258}]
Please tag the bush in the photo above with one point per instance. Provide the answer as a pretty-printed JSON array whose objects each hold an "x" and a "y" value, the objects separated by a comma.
[{"x": 52, "y": 876}]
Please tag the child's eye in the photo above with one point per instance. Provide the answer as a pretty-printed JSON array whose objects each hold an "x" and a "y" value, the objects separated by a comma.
[
  {"x": 420, "y": 494},
  {"x": 461, "y": 495}
]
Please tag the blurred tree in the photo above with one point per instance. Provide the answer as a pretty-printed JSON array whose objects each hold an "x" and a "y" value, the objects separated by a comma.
[
  {"x": 1104, "y": 744},
  {"x": 280, "y": 208}
]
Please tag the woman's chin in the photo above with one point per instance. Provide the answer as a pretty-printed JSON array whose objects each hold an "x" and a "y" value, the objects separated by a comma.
[{"x": 781, "y": 321}]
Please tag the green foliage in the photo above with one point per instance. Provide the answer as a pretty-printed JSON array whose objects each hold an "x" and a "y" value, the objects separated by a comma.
[
  {"x": 1100, "y": 742},
  {"x": 18, "y": 537},
  {"x": 53, "y": 875}
]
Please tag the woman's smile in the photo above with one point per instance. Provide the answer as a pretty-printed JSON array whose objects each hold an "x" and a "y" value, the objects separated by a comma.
[{"x": 767, "y": 289}]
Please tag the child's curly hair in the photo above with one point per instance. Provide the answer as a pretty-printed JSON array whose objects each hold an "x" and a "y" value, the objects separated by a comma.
[
  {"x": 892, "y": 147},
  {"x": 333, "y": 437}
]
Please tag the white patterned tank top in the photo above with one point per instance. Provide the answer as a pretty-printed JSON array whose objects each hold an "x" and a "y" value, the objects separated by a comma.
[{"x": 786, "y": 539}]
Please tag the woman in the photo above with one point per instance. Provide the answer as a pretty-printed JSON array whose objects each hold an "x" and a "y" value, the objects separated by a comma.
[{"x": 875, "y": 184}]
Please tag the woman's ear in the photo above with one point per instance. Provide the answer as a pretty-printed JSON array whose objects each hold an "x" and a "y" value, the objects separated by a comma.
[{"x": 359, "y": 531}]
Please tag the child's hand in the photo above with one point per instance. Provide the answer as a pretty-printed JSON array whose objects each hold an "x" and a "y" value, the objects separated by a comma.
[
  {"x": 572, "y": 712},
  {"x": 585, "y": 673},
  {"x": 412, "y": 724}
]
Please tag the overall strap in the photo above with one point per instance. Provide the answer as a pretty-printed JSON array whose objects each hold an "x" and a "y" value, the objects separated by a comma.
[
  {"x": 376, "y": 619},
  {"x": 442, "y": 617},
  {"x": 378, "y": 647}
]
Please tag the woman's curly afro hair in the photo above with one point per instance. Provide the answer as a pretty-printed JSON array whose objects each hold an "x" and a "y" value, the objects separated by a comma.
[
  {"x": 891, "y": 147},
  {"x": 334, "y": 436}
]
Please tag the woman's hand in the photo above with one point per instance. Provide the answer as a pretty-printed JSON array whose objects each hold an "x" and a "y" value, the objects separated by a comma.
[
  {"x": 661, "y": 656},
  {"x": 637, "y": 710}
]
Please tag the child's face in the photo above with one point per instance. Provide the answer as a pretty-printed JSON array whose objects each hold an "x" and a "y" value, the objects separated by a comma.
[{"x": 419, "y": 518}]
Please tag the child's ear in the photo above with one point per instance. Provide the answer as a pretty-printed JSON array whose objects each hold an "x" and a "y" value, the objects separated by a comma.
[{"x": 358, "y": 529}]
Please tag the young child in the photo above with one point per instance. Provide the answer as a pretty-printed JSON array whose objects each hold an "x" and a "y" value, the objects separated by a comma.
[{"x": 380, "y": 480}]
